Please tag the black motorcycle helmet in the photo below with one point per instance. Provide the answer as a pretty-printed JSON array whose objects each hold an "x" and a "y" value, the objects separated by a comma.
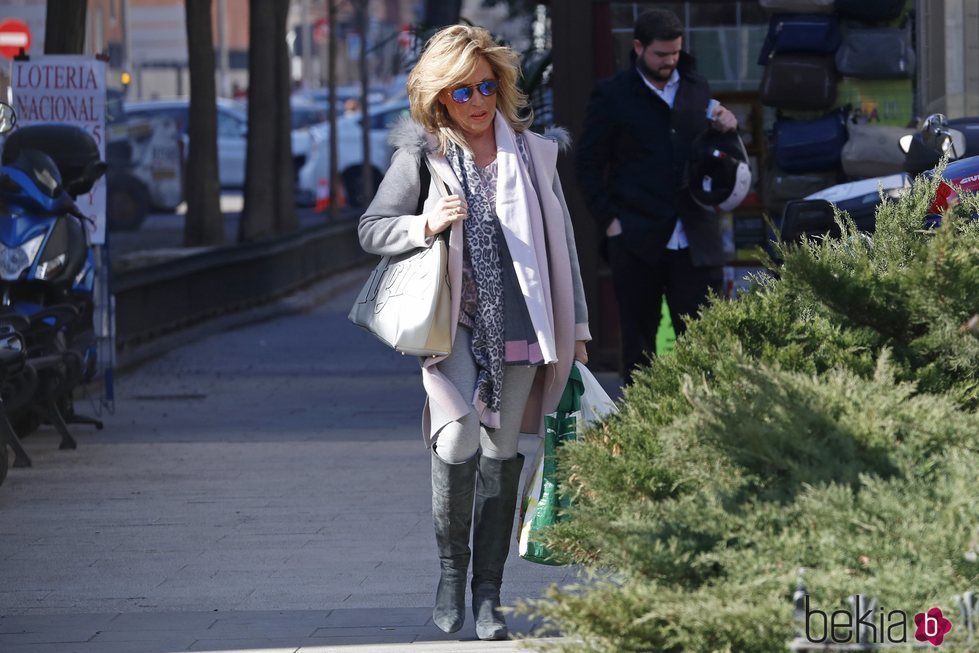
[
  {"x": 41, "y": 169},
  {"x": 73, "y": 150},
  {"x": 718, "y": 174}
]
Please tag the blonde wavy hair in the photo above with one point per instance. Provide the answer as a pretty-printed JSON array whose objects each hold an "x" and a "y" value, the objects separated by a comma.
[{"x": 449, "y": 57}]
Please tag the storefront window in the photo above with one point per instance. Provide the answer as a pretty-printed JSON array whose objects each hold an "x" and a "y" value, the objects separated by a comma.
[{"x": 725, "y": 37}]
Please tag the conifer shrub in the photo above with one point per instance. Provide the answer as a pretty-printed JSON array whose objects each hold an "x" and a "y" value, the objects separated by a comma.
[{"x": 826, "y": 420}]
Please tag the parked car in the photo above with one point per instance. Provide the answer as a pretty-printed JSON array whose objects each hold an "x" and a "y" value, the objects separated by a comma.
[
  {"x": 145, "y": 165},
  {"x": 145, "y": 170},
  {"x": 232, "y": 131},
  {"x": 305, "y": 114},
  {"x": 319, "y": 96},
  {"x": 315, "y": 174}
]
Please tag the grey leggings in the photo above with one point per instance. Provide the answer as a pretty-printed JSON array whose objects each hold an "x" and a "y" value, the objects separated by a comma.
[{"x": 460, "y": 439}]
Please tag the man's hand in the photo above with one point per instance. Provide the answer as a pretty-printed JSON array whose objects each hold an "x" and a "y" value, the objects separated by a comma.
[{"x": 724, "y": 120}]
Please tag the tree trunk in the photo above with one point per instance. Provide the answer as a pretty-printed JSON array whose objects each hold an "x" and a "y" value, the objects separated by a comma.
[
  {"x": 204, "y": 224},
  {"x": 64, "y": 27},
  {"x": 269, "y": 176},
  {"x": 286, "y": 219},
  {"x": 440, "y": 13}
]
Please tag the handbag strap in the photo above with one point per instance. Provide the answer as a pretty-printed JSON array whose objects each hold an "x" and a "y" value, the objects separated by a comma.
[
  {"x": 426, "y": 176},
  {"x": 439, "y": 183},
  {"x": 428, "y": 172}
]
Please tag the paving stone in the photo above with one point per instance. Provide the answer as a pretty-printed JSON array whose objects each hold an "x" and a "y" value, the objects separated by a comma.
[
  {"x": 161, "y": 621},
  {"x": 47, "y": 636},
  {"x": 246, "y": 645},
  {"x": 159, "y": 646},
  {"x": 179, "y": 640},
  {"x": 345, "y": 618}
]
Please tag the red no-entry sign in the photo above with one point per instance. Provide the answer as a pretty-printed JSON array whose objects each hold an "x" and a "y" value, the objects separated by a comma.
[{"x": 14, "y": 35}]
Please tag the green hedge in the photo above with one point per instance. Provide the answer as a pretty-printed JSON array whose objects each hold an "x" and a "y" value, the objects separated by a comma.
[{"x": 825, "y": 420}]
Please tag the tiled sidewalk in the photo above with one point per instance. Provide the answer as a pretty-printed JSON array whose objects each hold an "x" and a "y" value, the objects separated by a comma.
[{"x": 262, "y": 490}]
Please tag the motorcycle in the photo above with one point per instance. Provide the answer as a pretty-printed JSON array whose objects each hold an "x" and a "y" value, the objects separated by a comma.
[
  {"x": 47, "y": 272},
  {"x": 937, "y": 137}
]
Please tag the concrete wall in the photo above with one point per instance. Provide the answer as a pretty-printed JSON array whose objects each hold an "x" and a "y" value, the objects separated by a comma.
[{"x": 948, "y": 57}]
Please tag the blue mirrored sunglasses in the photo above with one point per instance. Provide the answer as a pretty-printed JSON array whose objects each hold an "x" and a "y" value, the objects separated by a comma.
[{"x": 463, "y": 94}]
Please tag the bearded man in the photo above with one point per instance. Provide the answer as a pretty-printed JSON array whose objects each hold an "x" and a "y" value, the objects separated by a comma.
[{"x": 631, "y": 164}]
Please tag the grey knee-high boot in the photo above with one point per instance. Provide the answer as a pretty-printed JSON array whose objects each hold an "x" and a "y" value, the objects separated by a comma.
[
  {"x": 452, "y": 512},
  {"x": 496, "y": 501}
]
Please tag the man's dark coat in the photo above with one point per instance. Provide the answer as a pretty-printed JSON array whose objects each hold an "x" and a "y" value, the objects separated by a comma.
[{"x": 631, "y": 161}]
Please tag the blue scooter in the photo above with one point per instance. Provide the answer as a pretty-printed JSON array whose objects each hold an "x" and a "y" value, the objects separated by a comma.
[{"x": 47, "y": 272}]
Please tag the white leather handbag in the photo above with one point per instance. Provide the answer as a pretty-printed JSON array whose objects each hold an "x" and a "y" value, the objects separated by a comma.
[{"x": 406, "y": 302}]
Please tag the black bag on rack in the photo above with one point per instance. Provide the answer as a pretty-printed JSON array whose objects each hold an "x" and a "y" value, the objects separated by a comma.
[
  {"x": 871, "y": 11},
  {"x": 873, "y": 151},
  {"x": 809, "y": 145},
  {"x": 876, "y": 53},
  {"x": 813, "y": 33},
  {"x": 798, "y": 6},
  {"x": 799, "y": 81},
  {"x": 780, "y": 187}
]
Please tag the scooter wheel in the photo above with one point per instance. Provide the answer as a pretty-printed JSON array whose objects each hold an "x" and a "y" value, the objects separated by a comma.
[
  {"x": 127, "y": 203},
  {"x": 4, "y": 462},
  {"x": 25, "y": 423}
]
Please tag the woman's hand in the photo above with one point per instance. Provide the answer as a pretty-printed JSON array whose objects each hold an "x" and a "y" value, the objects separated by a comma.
[
  {"x": 448, "y": 210},
  {"x": 581, "y": 352}
]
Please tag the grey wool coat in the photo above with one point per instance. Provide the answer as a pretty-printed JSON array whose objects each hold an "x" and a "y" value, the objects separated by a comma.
[{"x": 390, "y": 227}]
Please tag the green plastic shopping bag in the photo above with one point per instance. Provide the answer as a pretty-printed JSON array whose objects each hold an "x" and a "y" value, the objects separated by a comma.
[{"x": 583, "y": 402}]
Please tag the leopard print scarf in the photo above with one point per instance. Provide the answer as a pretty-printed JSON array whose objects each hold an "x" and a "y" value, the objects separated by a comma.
[{"x": 482, "y": 232}]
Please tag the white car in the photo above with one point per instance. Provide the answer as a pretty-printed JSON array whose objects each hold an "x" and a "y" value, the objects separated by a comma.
[
  {"x": 314, "y": 175},
  {"x": 232, "y": 134}
]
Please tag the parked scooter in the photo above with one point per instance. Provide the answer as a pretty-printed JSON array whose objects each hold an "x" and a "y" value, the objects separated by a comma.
[
  {"x": 936, "y": 138},
  {"x": 13, "y": 358},
  {"x": 47, "y": 269}
]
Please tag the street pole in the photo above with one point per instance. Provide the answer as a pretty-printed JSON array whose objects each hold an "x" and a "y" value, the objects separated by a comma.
[
  {"x": 307, "y": 46},
  {"x": 331, "y": 98},
  {"x": 223, "y": 66},
  {"x": 127, "y": 58},
  {"x": 367, "y": 170}
]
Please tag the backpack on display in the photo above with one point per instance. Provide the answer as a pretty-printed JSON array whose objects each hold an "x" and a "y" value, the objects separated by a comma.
[
  {"x": 872, "y": 150},
  {"x": 876, "y": 53},
  {"x": 780, "y": 186},
  {"x": 809, "y": 145},
  {"x": 871, "y": 11},
  {"x": 799, "y": 81},
  {"x": 798, "y": 6},
  {"x": 819, "y": 34}
]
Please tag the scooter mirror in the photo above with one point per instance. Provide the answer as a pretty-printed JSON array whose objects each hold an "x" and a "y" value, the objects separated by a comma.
[
  {"x": 7, "y": 118},
  {"x": 905, "y": 143},
  {"x": 938, "y": 137},
  {"x": 933, "y": 132},
  {"x": 956, "y": 143}
]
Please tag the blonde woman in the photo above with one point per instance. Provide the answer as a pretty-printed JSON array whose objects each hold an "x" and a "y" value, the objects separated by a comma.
[{"x": 518, "y": 306}]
